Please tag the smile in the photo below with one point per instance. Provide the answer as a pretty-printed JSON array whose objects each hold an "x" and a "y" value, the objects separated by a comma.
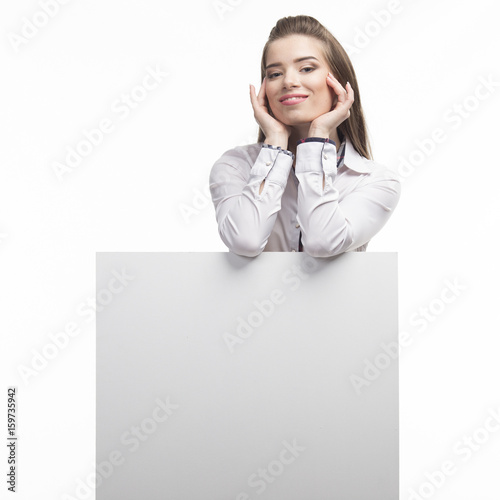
[{"x": 288, "y": 101}]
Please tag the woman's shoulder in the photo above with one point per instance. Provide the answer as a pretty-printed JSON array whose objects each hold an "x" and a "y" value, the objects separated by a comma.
[
  {"x": 362, "y": 165},
  {"x": 381, "y": 170}
]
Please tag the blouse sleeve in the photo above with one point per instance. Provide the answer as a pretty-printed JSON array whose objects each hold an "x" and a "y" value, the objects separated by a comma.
[
  {"x": 245, "y": 217},
  {"x": 329, "y": 226}
]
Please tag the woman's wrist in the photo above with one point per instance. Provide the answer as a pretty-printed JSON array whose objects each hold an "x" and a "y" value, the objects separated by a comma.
[
  {"x": 323, "y": 134},
  {"x": 276, "y": 140},
  {"x": 318, "y": 133}
]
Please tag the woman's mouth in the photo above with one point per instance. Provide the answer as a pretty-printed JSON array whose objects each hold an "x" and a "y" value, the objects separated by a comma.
[{"x": 291, "y": 99}]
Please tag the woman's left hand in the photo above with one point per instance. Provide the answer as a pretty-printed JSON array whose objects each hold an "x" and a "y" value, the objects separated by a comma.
[{"x": 326, "y": 124}]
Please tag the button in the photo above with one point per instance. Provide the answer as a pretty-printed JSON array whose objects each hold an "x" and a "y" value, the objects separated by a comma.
[
  {"x": 293, "y": 250},
  {"x": 325, "y": 157},
  {"x": 297, "y": 225},
  {"x": 268, "y": 163}
]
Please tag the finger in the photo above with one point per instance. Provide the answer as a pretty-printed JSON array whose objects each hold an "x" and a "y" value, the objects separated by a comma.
[
  {"x": 254, "y": 100},
  {"x": 252, "y": 95},
  {"x": 346, "y": 95},
  {"x": 262, "y": 93},
  {"x": 349, "y": 96},
  {"x": 350, "y": 91},
  {"x": 337, "y": 87}
]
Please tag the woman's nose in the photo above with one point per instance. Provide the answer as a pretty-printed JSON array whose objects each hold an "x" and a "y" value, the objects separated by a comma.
[{"x": 291, "y": 79}]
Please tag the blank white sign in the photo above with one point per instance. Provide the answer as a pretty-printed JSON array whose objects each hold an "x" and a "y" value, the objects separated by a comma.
[{"x": 221, "y": 377}]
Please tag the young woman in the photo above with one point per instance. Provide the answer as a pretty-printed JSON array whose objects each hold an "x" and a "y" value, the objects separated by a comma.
[{"x": 309, "y": 183}]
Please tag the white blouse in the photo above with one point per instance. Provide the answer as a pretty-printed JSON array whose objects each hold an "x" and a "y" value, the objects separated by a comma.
[{"x": 357, "y": 200}]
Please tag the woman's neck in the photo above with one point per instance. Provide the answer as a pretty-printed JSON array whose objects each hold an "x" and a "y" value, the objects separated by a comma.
[{"x": 298, "y": 133}]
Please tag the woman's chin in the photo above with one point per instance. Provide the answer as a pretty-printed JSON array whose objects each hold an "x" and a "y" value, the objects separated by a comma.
[
  {"x": 296, "y": 122},
  {"x": 295, "y": 117}
]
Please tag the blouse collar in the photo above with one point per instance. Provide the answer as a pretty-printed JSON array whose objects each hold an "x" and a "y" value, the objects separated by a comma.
[{"x": 354, "y": 161}]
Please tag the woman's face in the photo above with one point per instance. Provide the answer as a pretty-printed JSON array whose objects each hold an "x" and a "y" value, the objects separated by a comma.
[{"x": 296, "y": 65}]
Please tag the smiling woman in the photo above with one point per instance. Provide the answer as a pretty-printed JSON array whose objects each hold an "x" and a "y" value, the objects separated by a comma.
[{"x": 309, "y": 183}]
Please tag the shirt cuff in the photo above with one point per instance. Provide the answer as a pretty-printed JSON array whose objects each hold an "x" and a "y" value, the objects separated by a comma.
[
  {"x": 316, "y": 156},
  {"x": 316, "y": 139},
  {"x": 279, "y": 148},
  {"x": 273, "y": 163}
]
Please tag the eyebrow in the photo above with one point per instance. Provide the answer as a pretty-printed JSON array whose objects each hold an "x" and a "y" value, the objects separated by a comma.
[{"x": 295, "y": 60}]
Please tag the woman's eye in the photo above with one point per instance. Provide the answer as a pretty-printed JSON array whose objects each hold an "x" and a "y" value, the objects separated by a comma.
[{"x": 307, "y": 70}]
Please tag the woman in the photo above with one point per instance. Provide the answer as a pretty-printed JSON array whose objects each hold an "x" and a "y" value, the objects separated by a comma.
[{"x": 309, "y": 183}]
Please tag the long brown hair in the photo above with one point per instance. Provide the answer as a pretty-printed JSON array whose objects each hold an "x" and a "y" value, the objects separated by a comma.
[{"x": 353, "y": 127}]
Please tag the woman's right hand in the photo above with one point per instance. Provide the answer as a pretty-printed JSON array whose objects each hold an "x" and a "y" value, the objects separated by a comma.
[{"x": 272, "y": 128}]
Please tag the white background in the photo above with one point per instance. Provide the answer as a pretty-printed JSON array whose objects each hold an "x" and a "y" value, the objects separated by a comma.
[{"x": 419, "y": 66}]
